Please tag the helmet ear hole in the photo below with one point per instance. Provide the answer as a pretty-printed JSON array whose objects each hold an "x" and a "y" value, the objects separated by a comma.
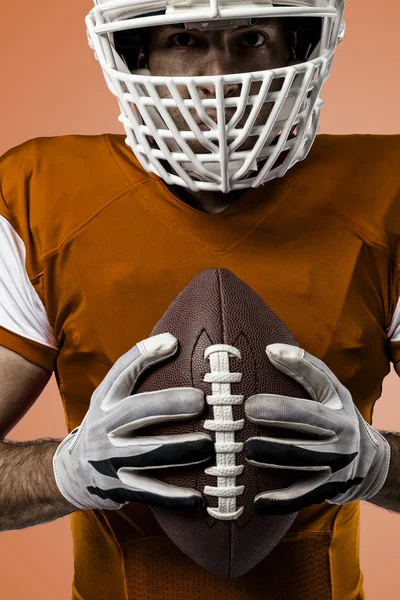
[
  {"x": 305, "y": 35},
  {"x": 142, "y": 60},
  {"x": 129, "y": 44}
]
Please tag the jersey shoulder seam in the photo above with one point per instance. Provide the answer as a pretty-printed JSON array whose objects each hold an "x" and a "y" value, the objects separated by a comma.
[
  {"x": 366, "y": 235},
  {"x": 128, "y": 188},
  {"x": 146, "y": 175},
  {"x": 85, "y": 222}
]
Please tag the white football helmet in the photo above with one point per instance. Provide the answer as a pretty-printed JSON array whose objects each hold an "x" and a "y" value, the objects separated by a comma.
[{"x": 226, "y": 162}]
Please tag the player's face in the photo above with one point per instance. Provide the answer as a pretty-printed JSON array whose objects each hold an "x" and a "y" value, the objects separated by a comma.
[
  {"x": 175, "y": 52},
  {"x": 191, "y": 52}
]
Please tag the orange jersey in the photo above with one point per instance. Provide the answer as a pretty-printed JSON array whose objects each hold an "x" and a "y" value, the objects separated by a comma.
[{"x": 94, "y": 250}]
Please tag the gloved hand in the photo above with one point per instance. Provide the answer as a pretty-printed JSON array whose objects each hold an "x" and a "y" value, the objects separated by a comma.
[
  {"x": 345, "y": 458},
  {"x": 100, "y": 463}
]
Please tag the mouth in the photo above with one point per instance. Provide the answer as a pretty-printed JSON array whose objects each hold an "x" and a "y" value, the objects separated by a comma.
[
  {"x": 293, "y": 133},
  {"x": 204, "y": 127},
  {"x": 213, "y": 116}
]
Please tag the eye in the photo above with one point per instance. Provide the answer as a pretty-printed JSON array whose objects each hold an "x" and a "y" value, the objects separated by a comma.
[
  {"x": 253, "y": 39},
  {"x": 183, "y": 39}
]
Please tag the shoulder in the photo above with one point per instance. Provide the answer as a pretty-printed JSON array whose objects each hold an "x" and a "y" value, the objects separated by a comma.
[
  {"x": 357, "y": 177},
  {"x": 61, "y": 160},
  {"x": 345, "y": 148},
  {"x": 358, "y": 160},
  {"x": 54, "y": 185},
  {"x": 75, "y": 163}
]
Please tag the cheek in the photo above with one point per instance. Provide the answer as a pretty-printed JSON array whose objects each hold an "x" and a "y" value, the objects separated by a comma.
[
  {"x": 165, "y": 64},
  {"x": 261, "y": 60},
  {"x": 173, "y": 64},
  {"x": 155, "y": 63}
]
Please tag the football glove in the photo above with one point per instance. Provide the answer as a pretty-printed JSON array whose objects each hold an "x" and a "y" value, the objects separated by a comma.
[
  {"x": 344, "y": 459},
  {"x": 103, "y": 463}
]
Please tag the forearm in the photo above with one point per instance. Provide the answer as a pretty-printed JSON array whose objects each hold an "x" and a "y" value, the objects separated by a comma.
[
  {"x": 28, "y": 491},
  {"x": 389, "y": 495}
]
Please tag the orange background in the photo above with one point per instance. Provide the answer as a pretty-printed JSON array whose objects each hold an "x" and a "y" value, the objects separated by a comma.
[{"x": 51, "y": 85}]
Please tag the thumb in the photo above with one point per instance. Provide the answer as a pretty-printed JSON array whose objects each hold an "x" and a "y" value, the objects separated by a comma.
[
  {"x": 313, "y": 374},
  {"x": 120, "y": 380}
]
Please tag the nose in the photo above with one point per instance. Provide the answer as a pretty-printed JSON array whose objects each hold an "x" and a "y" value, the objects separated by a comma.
[
  {"x": 219, "y": 64},
  {"x": 230, "y": 90}
]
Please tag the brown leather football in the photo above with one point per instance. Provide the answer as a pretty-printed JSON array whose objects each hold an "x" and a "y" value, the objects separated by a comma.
[{"x": 218, "y": 314}]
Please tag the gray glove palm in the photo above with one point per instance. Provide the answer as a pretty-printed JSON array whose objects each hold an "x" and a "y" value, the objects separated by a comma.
[{"x": 100, "y": 463}]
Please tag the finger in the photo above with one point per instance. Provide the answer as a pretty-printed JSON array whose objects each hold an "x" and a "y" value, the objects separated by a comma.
[
  {"x": 120, "y": 380},
  {"x": 298, "y": 414},
  {"x": 149, "y": 408},
  {"x": 156, "y": 452},
  {"x": 133, "y": 487},
  {"x": 283, "y": 454},
  {"x": 157, "y": 493},
  {"x": 313, "y": 374},
  {"x": 298, "y": 496}
]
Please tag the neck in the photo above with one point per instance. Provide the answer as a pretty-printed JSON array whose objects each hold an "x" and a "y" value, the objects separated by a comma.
[{"x": 208, "y": 202}]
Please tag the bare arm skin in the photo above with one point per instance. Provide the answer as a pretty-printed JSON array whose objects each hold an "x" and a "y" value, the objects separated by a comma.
[
  {"x": 389, "y": 495},
  {"x": 28, "y": 491}
]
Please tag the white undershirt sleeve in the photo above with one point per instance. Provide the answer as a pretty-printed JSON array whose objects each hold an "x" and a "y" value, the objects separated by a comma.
[
  {"x": 393, "y": 332},
  {"x": 21, "y": 310}
]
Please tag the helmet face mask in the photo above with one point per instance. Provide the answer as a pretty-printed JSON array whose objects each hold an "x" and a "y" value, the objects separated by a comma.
[{"x": 217, "y": 141}]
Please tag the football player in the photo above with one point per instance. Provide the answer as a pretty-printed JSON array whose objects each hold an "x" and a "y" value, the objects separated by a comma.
[{"x": 221, "y": 166}]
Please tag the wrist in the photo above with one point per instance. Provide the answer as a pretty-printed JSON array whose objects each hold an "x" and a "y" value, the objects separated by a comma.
[
  {"x": 388, "y": 495},
  {"x": 65, "y": 475},
  {"x": 380, "y": 468}
]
